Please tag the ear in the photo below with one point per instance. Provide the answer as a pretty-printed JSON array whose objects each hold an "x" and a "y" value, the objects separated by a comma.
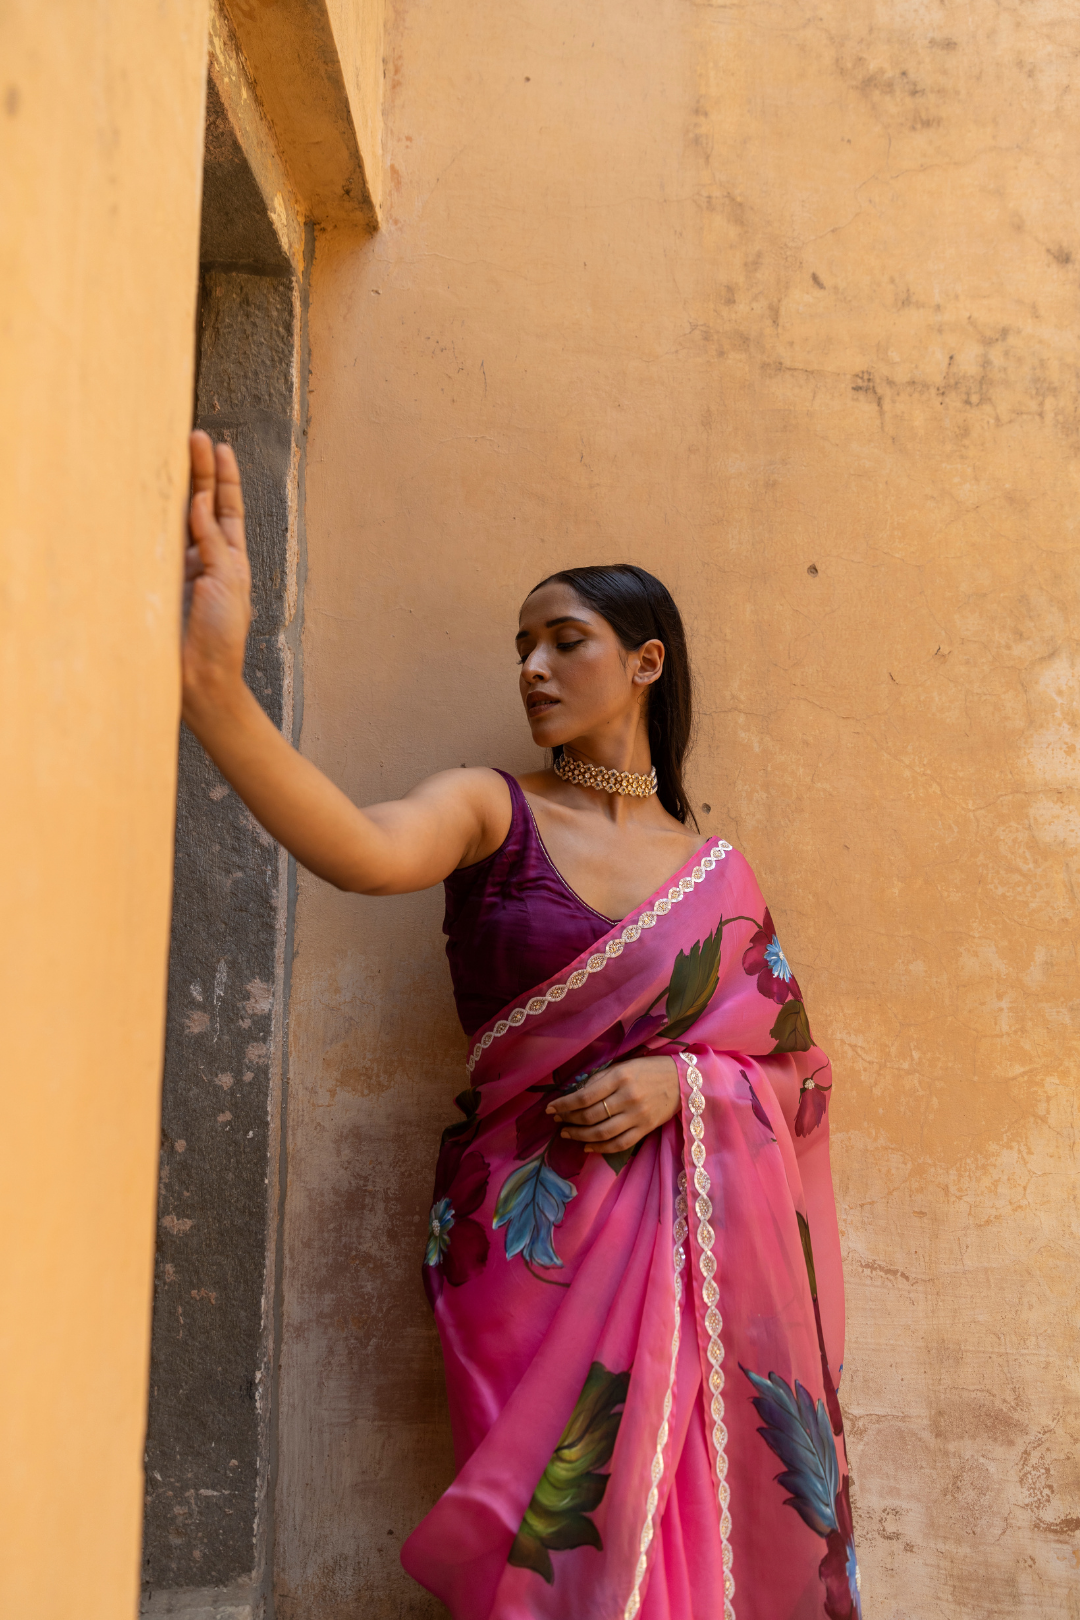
[{"x": 650, "y": 663}]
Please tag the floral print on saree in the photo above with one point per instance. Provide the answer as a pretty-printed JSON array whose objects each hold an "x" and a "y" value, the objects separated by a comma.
[{"x": 577, "y": 1353}]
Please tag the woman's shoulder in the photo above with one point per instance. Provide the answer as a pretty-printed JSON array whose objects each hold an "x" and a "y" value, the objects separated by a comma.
[
  {"x": 537, "y": 783},
  {"x": 467, "y": 781}
]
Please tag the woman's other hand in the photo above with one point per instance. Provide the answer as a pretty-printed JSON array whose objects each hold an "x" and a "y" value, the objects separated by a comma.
[
  {"x": 617, "y": 1107},
  {"x": 217, "y": 579}
]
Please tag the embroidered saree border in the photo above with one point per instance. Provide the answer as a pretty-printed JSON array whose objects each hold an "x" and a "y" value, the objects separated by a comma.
[
  {"x": 657, "y": 1472},
  {"x": 600, "y": 959},
  {"x": 713, "y": 1320}
]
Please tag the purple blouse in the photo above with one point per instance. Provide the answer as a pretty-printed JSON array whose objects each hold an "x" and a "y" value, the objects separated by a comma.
[{"x": 512, "y": 920}]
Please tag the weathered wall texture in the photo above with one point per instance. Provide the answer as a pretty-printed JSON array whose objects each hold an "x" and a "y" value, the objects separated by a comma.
[
  {"x": 783, "y": 305},
  {"x": 101, "y": 116}
]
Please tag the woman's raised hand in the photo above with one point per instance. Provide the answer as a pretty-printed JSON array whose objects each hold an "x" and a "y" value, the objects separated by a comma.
[
  {"x": 620, "y": 1105},
  {"x": 217, "y": 578},
  {"x": 407, "y": 844}
]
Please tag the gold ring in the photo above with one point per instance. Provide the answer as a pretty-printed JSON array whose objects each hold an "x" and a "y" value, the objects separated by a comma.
[{"x": 605, "y": 1107}]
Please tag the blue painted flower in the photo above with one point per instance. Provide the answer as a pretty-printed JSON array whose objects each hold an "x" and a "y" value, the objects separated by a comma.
[
  {"x": 457, "y": 1247},
  {"x": 442, "y": 1219},
  {"x": 531, "y": 1204},
  {"x": 776, "y": 959},
  {"x": 853, "y": 1579},
  {"x": 764, "y": 960}
]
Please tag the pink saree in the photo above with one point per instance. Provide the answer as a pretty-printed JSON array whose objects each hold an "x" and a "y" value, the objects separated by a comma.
[{"x": 642, "y": 1350}]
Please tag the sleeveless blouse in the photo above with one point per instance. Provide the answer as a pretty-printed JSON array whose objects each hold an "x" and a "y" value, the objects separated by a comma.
[{"x": 512, "y": 920}]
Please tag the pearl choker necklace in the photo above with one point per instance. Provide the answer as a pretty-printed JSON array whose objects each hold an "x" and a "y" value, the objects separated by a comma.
[{"x": 634, "y": 784}]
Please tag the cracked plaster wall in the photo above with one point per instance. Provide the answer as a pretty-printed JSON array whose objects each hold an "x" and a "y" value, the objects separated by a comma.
[{"x": 782, "y": 304}]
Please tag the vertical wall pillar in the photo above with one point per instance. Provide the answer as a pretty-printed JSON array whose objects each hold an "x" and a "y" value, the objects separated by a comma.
[
  {"x": 292, "y": 129},
  {"x": 208, "y": 1443}
]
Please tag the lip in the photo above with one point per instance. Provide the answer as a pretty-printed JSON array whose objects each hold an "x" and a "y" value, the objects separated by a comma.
[{"x": 537, "y": 704}]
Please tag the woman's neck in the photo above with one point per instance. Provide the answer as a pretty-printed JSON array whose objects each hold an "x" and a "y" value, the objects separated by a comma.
[
  {"x": 616, "y": 749},
  {"x": 626, "y": 752}
]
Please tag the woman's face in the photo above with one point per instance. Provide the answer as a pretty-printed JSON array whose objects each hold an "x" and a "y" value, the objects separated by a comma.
[{"x": 577, "y": 679}]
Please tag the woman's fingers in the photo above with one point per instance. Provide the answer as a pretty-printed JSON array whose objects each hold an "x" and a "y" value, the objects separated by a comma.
[
  {"x": 229, "y": 503},
  {"x": 619, "y": 1144},
  {"x": 620, "y": 1105},
  {"x": 216, "y": 517},
  {"x": 595, "y": 1115},
  {"x": 203, "y": 462},
  {"x": 615, "y": 1114},
  {"x": 591, "y": 1095},
  {"x": 615, "y": 1134},
  {"x": 597, "y": 1133},
  {"x": 217, "y": 594},
  {"x": 206, "y": 532}
]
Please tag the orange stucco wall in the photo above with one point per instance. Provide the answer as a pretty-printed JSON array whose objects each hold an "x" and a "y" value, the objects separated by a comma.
[
  {"x": 784, "y": 306},
  {"x": 100, "y": 164}
]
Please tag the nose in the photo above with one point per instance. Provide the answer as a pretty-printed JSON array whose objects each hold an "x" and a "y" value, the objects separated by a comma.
[{"x": 533, "y": 670}]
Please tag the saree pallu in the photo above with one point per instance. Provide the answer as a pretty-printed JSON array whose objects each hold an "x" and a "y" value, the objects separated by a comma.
[{"x": 642, "y": 1349}]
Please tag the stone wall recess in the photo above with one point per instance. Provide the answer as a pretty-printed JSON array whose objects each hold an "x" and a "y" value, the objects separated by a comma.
[{"x": 208, "y": 1532}]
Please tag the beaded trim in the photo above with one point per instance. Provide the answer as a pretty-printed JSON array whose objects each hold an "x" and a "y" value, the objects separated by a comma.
[
  {"x": 679, "y": 1256},
  {"x": 600, "y": 960},
  {"x": 630, "y": 784},
  {"x": 713, "y": 1320}
]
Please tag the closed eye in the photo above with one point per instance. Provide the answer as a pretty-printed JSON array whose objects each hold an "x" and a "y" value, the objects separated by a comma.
[{"x": 560, "y": 646}]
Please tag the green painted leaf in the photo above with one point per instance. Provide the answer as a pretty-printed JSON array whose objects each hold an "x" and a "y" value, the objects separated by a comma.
[
  {"x": 808, "y": 1252},
  {"x": 528, "y": 1553},
  {"x": 619, "y": 1161},
  {"x": 469, "y": 1103},
  {"x": 791, "y": 1032},
  {"x": 693, "y": 982},
  {"x": 570, "y": 1486}
]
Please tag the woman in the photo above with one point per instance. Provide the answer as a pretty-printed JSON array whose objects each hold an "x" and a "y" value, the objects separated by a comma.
[{"x": 632, "y": 1256}]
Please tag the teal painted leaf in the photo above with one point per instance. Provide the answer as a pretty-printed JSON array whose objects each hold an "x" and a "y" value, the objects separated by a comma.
[
  {"x": 797, "y": 1430},
  {"x": 570, "y": 1487},
  {"x": 531, "y": 1204}
]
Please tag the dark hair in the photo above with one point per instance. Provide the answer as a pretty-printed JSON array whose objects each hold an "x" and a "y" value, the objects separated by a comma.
[{"x": 639, "y": 609}]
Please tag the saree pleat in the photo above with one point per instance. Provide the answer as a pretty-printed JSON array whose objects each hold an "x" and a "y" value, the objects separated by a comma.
[
  {"x": 642, "y": 1353},
  {"x": 687, "y": 1572}
]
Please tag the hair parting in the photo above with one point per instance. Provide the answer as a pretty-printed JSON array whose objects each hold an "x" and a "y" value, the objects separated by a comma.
[{"x": 639, "y": 608}]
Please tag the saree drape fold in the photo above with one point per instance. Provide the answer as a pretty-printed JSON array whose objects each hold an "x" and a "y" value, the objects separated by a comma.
[{"x": 642, "y": 1351}]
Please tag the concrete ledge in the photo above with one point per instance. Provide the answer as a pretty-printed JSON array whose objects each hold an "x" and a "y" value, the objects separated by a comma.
[
  {"x": 238, "y": 1602},
  {"x": 292, "y": 54},
  {"x": 230, "y": 78}
]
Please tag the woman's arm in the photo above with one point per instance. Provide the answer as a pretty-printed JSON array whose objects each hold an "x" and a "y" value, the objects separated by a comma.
[{"x": 411, "y": 843}]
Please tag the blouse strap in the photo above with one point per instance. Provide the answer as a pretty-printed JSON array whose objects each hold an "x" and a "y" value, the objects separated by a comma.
[{"x": 519, "y": 806}]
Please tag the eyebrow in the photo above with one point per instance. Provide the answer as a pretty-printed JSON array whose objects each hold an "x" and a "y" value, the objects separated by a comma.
[{"x": 549, "y": 624}]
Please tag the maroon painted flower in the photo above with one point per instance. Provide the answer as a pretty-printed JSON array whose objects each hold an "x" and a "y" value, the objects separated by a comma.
[
  {"x": 813, "y": 1104},
  {"x": 457, "y": 1247},
  {"x": 755, "y": 1103},
  {"x": 537, "y": 1130},
  {"x": 595, "y": 1056},
  {"x": 839, "y": 1569},
  {"x": 764, "y": 958}
]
